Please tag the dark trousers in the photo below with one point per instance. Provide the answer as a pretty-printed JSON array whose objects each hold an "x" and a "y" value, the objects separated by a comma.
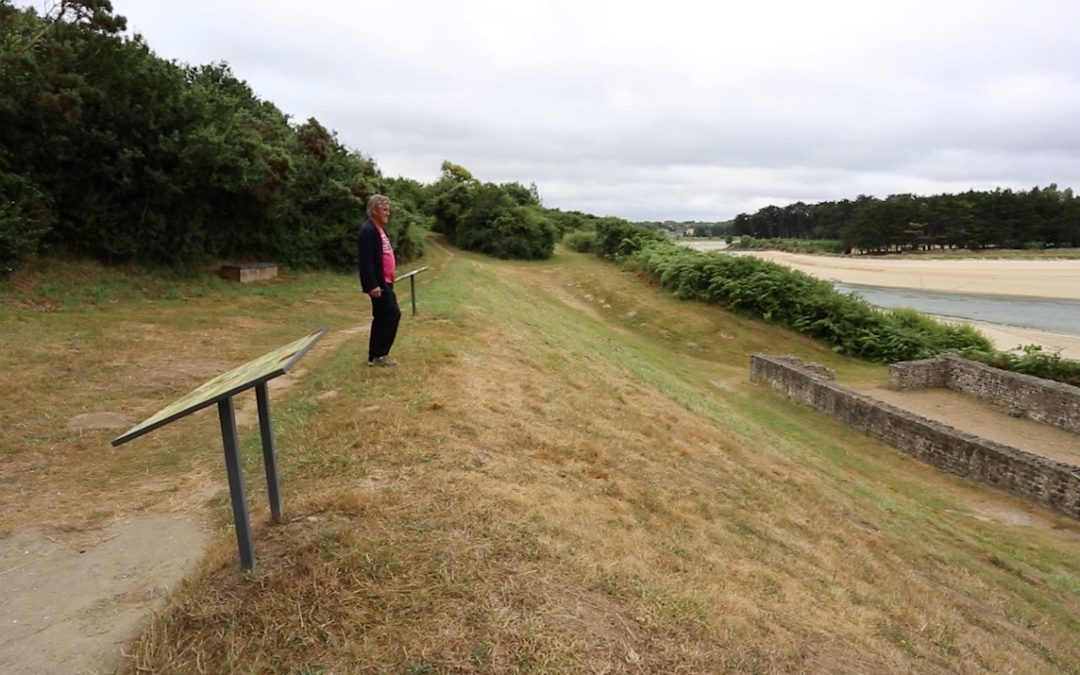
[{"x": 385, "y": 316}]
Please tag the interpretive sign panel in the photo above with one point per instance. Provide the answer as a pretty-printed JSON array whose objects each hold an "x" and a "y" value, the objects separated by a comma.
[
  {"x": 220, "y": 390},
  {"x": 266, "y": 367}
]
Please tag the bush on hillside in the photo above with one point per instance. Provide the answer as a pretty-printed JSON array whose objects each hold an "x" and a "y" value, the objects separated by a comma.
[
  {"x": 618, "y": 239},
  {"x": 764, "y": 290},
  {"x": 501, "y": 220},
  {"x": 583, "y": 241},
  {"x": 1032, "y": 360},
  {"x": 200, "y": 169},
  {"x": 811, "y": 246}
]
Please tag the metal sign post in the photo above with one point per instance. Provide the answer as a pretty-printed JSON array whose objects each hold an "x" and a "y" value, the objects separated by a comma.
[
  {"x": 411, "y": 276},
  {"x": 227, "y": 416},
  {"x": 267, "y": 435},
  {"x": 221, "y": 390}
]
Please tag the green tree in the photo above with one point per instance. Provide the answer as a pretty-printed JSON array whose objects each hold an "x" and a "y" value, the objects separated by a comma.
[{"x": 503, "y": 220}]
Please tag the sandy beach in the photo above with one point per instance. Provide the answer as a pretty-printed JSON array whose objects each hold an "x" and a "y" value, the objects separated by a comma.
[
  {"x": 1029, "y": 278},
  {"x": 1026, "y": 278},
  {"x": 1009, "y": 337}
]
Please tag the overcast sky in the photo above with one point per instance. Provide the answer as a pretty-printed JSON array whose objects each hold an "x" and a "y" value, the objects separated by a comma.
[{"x": 681, "y": 109}]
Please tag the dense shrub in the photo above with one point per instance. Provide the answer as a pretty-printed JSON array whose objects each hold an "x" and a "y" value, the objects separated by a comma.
[
  {"x": 502, "y": 220},
  {"x": 1040, "y": 217},
  {"x": 1032, "y": 360},
  {"x": 617, "y": 238},
  {"x": 760, "y": 289},
  {"x": 26, "y": 216},
  {"x": 764, "y": 290},
  {"x": 523, "y": 233},
  {"x": 583, "y": 241}
]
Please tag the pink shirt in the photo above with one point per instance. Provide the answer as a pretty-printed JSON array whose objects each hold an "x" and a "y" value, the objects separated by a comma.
[{"x": 389, "y": 264}]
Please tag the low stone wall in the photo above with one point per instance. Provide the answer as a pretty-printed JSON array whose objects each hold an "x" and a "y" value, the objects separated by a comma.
[
  {"x": 1049, "y": 482},
  {"x": 1042, "y": 400},
  {"x": 247, "y": 272},
  {"x": 924, "y": 374}
]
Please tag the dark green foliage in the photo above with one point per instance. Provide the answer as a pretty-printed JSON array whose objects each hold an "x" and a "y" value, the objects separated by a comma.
[
  {"x": 313, "y": 216},
  {"x": 501, "y": 220},
  {"x": 409, "y": 220},
  {"x": 569, "y": 221},
  {"x": 999, "y": 219},
  {"x": 93, "y": 122},
  {"x": 760, "y": 289},
  {"x": 812, "y": 246},
  {"x": 112, "y": 152},
  {"x": 486, "y": 203},
  {"x": 583, "y": 241},
  {"x": 26, "y": 216},
  {"x": 1032, "y": 360},
  {"x": 764, "y": 290},
  {"x": 407, "y": 234},
  {"x": 617, "y": 238},
  {"x": 523, "y": 233},
  {"x": 450, "y": 209},
  {"x": 409, "y": 195}
]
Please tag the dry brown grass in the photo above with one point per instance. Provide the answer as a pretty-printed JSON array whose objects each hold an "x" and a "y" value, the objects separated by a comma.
[
  {"x": 87, "y": 362},
  {"x": 569, "y": 473}
]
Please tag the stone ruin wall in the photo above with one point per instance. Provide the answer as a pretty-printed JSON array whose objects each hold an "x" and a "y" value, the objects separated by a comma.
[
  {"x": 1040, "y": 479},
  {"x": 1021, "y": 395}
]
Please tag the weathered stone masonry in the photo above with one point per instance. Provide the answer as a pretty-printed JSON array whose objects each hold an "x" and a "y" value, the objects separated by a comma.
[
  {"x": 1042, "y": 400},
  {"x": 1049, "y": 482}
]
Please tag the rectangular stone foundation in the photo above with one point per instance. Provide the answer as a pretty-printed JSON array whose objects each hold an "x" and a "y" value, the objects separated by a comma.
[
  {"x": 1040, "y": 479},
  {"x": 246, "y": 272},
  {"x": 1022, "y": 395}
]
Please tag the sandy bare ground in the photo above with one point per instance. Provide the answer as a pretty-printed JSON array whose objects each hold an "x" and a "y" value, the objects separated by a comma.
[
  {"x": 70, "y": 605},
  {"x": 1010, "y": 337},
  {"x": 1023, "y": 278},
  {"x": 1028, "y": 278}
]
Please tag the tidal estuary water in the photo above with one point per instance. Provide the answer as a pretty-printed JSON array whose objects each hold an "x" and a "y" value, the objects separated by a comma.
[{"x": 1055, "y": 316}]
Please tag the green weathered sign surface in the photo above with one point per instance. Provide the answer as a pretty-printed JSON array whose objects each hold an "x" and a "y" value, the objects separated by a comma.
[{"x": 266, "y": 367}]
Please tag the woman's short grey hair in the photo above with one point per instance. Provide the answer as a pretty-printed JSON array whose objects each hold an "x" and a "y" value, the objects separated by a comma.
[{"x": 375, "y": 201}]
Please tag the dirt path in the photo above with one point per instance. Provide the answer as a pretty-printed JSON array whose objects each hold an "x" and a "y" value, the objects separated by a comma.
[{"x": 69, "y": 606}]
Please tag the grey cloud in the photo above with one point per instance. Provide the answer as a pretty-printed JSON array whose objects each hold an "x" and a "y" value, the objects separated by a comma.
[{"x": 688, "y": 111}]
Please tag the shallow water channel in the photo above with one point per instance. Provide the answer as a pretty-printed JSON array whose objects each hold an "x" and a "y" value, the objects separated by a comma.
[{"x": 1051, "y": 315}]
